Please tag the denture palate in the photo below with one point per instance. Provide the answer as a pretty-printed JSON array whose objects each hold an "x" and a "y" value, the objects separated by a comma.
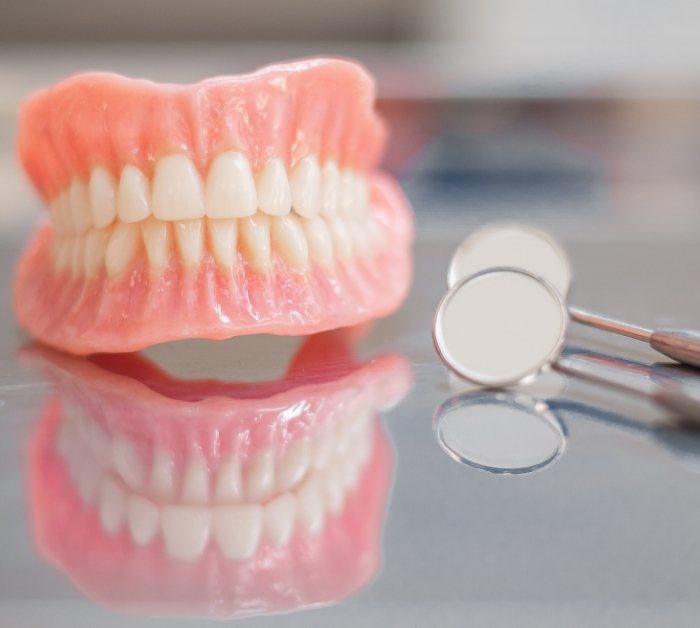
[{"x": 310, "y": 212}]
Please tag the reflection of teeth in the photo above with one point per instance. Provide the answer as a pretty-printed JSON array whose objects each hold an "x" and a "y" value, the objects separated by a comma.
[
  {"x": 305, "y": 184},
  {"x": 279, "y": 518},
  {"x": 261, "y": 476},
  {"x": 195, "y": 487},
  {"x": 293, "y": 464},
  {"x": 310, "y": 505},
  {"x": 229, "y": 483},
  {"x": 186, "y": 530},
  {"x": 177, "y": 189},
  {"x": 127, "y": 463},
  {"x": 230, "y": 189},
  {"x": 132, "y": 195},
  {"x": 143, "y": 518},
  {"x": 237, "y": 530},
  {"x": 288, "y": 239},
  {"x": 102, "y": 197},
  {"x": 162, "y": 482},
  {"x": 274, "y": 196},
  {"x": 112, "y": 506}
]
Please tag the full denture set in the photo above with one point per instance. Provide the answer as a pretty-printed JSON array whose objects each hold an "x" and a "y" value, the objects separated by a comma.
[{"x": 234, "y": 206}]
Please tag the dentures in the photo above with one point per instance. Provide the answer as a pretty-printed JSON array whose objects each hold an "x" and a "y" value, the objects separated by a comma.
[
  {"x": 275, "y": 490},
  {"x": 234, "y": 206}
]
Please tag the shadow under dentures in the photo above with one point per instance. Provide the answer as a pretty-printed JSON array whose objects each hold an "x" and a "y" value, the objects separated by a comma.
[{"x": 212, "y": 498}]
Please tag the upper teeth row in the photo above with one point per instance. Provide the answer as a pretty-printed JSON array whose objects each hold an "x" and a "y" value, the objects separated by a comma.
[{"x": 177, "y": 192}]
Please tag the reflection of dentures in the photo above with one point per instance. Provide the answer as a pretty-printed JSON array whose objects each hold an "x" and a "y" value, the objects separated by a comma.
[
  {"x": 238, "y": 205},
  {"x": 275, "y": 490}
]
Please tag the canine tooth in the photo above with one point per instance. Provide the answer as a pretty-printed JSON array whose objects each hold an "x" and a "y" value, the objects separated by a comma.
[
  {"x": 274, "y": 195},
  {"x": 195, "y": 486},
  {"x": 132, "y": 195},
  {"x": 112, "y": 505},
  {"x": 288, "y": 239},
  {"x": 121, "y": 248},
  {"x": 229, "y": 484},
  {"x": 143, "y": 519},
  {"x": 347, "y": 192},
  {"x": 293, "y": 464},
  {"x": 79, "y": 204},
  {"x": 260, "y": 476},
  {"x": 230, "y": 189},
  {"x": 310, "y": 507},
  {"x": 102, "y": 188},
  {"x": 278, "y": 519},
  {"x": 319, "y": 240},
  {"x": 77, "y": 256},
  {"x": 177, "y": 189},
  {"x": 127, "y": 463},
  {"x": 158, "y": 241},
  {"x": 255, "y": 240},
  {"x": 186, "y": 530},
  {"x": 305, "y": 185},
  {"x": 223, "y": 239},
  {"x": 94, "y": 253},
  {"x": 342, "y": 243},
  {"x": 330, "y": 188},
  {"x": 189, "y": 235},
  {"x": 162, "y": 481},
  {"x": 237, "y": 530}
]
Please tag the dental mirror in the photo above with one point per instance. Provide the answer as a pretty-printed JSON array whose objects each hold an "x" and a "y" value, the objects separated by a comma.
[
  {"x": 522, "y": 246},
  {"x": 499, "y": 432}
]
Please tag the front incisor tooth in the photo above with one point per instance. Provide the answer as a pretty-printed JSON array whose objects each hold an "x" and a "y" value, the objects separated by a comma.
[
  {"x": 255, "y": 240},
  {"x": 132, "y": 195},
  {"x": 237, "y": 530},
  {"x": 287, "y": 237},
  {"x": 189, "y": 235},
  {"x": 79, "y": 205},
  {"x": 122, "y": 247},
  {"x": 158, "y": 241},
  {"x": 330, "y": 186},
  {"x": 223, "y": 239},
  {"x": 230, "y": 190},
  {"x": 95, "y": 245},
  {"x": 186, "y": 530},
  {"x": 305, "y": 185},
  {"x": 177, "y": 189},
  {"x": 319, "y": 240},
  {"x": 274, "y": 195},
  {"x": 103, "y": 204}
]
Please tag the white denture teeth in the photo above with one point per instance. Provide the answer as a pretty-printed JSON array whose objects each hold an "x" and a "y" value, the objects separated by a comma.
[
  {"x": 101, "y": 223},
  {"x": 237, "y": 530}
]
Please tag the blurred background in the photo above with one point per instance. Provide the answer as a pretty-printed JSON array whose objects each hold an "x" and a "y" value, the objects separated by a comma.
[{"x": 586, "y": 105}]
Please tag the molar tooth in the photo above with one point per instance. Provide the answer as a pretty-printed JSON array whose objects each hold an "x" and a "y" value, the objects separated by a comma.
[
  {"x": 255, "y": 240},
  {"x": 278, "y": 519},
  {"x": 195, "y": 486},
  {"x": 189, "y": 235},
  {"x": 121, "y": 248},
  {"x": 143, "y": 518},
  {"x": 132, "y": 195},
  {"x": 186, "y": 530},
  {"x": 305, "y": 185},
  {"x": 289, "y": 241},
  {"x": 79, "y": 204},
  {"x": 95, "y": 245},
  {"x": 260, "y": 476},
  {"x": 347, "y": 192},
  {"x": 158, "y": 241},
  {"x": 330, "y": 188},
  {"x": 319, "y": 240},
  {"x": 177, "y": 189},
  {"x": 237, "y": 530},
  {"x": 223, "y": 238},
  {"x": 229, "y": 485},
  {"x": 103, "y": 204},
  {"x": 274, "y": 196},
  {"x": 112, "y": 505},
  {"x": 230, "y": 189},
  {"x": 293, "y": 464},
  {"x": 342, "y": 244}
]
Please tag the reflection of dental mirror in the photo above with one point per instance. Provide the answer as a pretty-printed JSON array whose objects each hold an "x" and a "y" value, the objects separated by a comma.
[
  {"x": 502, "y": 326},
  {"x": 499, "y": 432},
  {"x": 525, "y": 247}
]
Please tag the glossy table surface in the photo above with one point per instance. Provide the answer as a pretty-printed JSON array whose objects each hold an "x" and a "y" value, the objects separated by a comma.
[{"x": 605, "y": 534}]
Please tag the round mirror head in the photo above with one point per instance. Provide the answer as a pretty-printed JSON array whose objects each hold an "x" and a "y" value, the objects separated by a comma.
[
  {"x": 499, "y": 432},
  {"x": 499, "y": 327},
  {"x": 517, "y": 246}
]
